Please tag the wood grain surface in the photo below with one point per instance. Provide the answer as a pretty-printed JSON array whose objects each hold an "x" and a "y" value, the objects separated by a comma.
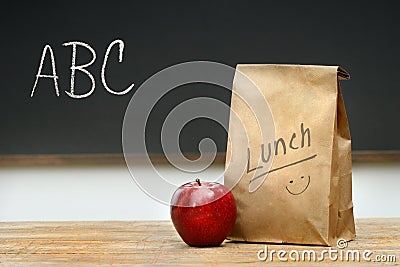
[{"x": 156, "y": 243}]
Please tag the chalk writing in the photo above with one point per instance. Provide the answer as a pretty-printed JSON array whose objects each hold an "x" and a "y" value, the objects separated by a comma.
[
  {"x": 82, "y": 68},
  {"x": 53, "y": 67}
]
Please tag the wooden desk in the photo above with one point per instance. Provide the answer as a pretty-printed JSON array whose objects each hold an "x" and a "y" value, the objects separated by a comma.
[{"x": 157, "y": 243}]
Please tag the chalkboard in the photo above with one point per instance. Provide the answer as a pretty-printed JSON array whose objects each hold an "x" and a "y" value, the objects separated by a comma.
[{"x": 362, "y": 37}]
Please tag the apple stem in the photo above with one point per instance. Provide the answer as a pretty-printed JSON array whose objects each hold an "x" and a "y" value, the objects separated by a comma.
[{"x": 198, "y": 181}]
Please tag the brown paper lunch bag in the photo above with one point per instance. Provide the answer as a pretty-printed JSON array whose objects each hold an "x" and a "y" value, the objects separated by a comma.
[{"x": 304, "y": 170}]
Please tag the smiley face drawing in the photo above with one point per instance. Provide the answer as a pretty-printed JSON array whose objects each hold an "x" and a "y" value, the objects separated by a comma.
[{"x": 297, "y": 187}]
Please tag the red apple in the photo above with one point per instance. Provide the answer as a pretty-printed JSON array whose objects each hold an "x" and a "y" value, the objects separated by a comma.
[{"x": 203, "y": 213}]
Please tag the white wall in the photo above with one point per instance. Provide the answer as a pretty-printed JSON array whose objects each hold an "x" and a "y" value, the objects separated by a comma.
[{"x": 109, "y": 193}]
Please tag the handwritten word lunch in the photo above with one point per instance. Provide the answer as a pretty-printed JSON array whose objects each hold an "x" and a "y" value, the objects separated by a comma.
[
  {"x": 48, "y": 52},
  {"x": 305, "y": 135}
]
